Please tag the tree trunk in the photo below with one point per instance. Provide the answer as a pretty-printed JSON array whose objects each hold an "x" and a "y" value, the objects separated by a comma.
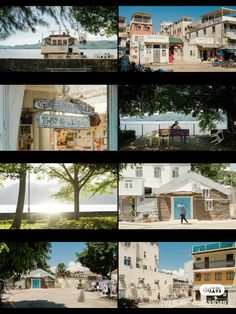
[
  {"x": 76, "y": 193},
  {"x": 231, "y": 111},
  {"x": 21, "y": 198}
]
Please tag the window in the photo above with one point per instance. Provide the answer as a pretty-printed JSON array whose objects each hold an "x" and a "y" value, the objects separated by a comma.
[
  {"x": 213, "y": 29},
  {"x": 198, "y": 259},
  {"x": 139, "y": 171},
  {"x": 146, "y": 28},
  {"x": 206, "y": 193},
  {"x": 207, "y": 277},
  {"x": 144, "y": 254},
  {"x": 229, "y": 275},
  {"x": 64, "y": 42},
  {"x": 157, "y": 46},
  {"x": 152, "y": 243},
  {"x": 128, "y": 184},
  {"x": 127, "y": 260},
  {"x": 165, "y": 282},
  {"x": 137, "y": 27},
  {"x": 157, "y": 172},
  {"x": 196, "y": 33},
  {"x": 218, "y": 276},
  {"x": 209, "y": 206},
  {"x": 232, "y": 27},
  {"x": 155, "y": 270},
  {"x": 204, "y": 31},
  {"x": 127, "y": 244},
  {"x": 59, "y": 42},
  {"x": 197, "y": 277},
  {"x": 145, "y": 267},
  {"x": 175, "y": 172}
]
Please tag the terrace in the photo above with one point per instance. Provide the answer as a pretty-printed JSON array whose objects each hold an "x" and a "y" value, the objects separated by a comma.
[{"x": 212, "y": 247}]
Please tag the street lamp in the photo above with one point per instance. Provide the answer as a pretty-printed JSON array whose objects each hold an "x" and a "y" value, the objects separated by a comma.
[{"x": 29, "y": 194}]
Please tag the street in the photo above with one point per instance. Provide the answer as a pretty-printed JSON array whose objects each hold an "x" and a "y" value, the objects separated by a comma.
[
  {"x": 175, "y": 224},
  {"x": 56, "y": 298}
]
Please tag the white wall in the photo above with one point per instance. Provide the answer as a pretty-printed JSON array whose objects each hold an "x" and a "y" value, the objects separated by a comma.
[
  {"x": 11, "y": 100},
  {"x": 135, "y": 186}
]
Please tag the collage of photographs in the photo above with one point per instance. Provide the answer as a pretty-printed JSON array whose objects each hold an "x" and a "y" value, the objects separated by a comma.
[{"x": 88, "y": 160}]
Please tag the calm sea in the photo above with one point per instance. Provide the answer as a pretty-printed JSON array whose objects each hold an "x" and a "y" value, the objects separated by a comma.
[
  {"x": 36, "y": 53},
  {"x": 143, "y": 127},
  {"x": 55, "y": 208}
]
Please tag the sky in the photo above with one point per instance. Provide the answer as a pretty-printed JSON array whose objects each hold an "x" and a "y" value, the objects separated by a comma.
[
  {"x": 64, "y": 252},
  {"x": 167, "y": 13},
  {"x": 27, "y": 37}
]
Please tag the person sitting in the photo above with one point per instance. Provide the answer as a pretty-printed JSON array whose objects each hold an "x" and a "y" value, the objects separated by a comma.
[{"x": 175, "y": 125}]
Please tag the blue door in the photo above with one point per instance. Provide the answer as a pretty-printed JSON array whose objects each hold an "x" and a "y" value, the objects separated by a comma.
[
  {"x": 178, "y": 204},
  {"x": 36, "y": 283}
]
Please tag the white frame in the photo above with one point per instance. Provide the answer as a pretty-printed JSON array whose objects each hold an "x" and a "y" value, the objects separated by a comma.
[
  {"x": 206, "y": 207},
  {"x": 172, "y": 206}
]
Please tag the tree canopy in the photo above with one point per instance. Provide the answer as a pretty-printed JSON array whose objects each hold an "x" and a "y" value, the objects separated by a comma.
[
  {"x": 61, "y": 270},
  {"x": 99, "y": 257},
  {"x": 205, "y": 102},
  {"x": 216, "y": 171},
  {"x": 96, "y": 19},
  {"x": 20, "y": 257}
]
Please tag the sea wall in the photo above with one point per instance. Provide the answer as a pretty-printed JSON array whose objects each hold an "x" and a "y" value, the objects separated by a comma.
[
  {"x": 70, "y": 215},
  {"x": 57, "y": 65}
]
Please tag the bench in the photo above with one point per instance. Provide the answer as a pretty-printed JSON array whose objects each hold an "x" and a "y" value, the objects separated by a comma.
[{"x": 182, "y": 133}]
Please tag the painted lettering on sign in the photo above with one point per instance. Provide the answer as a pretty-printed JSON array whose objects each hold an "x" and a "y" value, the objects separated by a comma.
[
  {"x": 62, "y": 122},
  {"x": 63, "y": 106}
]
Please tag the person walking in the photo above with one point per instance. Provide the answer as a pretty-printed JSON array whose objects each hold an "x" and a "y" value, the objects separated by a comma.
[{"x": 183, "y": 214}]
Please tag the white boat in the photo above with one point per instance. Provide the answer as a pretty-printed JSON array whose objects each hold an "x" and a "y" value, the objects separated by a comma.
[{"x": 61, "y": 46}]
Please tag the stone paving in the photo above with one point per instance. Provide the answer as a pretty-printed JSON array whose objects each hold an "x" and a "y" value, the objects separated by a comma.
[
  {"x": 56, "y": 298},
  {"x": 175, "y": 224}
]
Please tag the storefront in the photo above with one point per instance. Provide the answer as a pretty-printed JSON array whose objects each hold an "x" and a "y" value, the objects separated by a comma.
[
  {"x": 147, "y": 49},
  {"x": 59, "y": 117}
]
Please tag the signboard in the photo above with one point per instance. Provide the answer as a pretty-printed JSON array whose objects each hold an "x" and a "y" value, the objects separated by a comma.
[
  {"x": 63, "y": 106},
  {"x": 156, "y": 39},
  {"x": 205, "y": 40},
  {"x": 62, "y": 121}
]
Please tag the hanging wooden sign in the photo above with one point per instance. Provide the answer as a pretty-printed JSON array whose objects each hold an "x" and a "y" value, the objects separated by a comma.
[
  {"x": 62, "y": 121},
  {"x": 58, "y": 105}
]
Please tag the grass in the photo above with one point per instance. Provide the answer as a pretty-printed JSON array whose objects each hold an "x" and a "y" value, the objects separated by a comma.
[{"x": 63, "y": 223}]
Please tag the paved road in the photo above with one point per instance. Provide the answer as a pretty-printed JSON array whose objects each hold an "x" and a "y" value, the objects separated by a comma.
[
  {"x": 183, "y": 66},
  {"x": 57, "y": 298},
  {"x": 196, "y": 224}
]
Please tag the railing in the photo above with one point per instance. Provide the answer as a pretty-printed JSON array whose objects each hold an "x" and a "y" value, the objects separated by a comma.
[
  {"x": 213, "y": 264},
  {"x": 141, "y": 20},
  {"x": 212, "y": 246}
]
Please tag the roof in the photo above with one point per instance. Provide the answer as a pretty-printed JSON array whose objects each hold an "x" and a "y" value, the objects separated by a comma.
[
  {"x": 141, "y": 13},
  {"x": 176, "y": 183},
  {"x": 40, "y": 273},
  {"x": 218, "y": 12},
  {"x": 175, "y": 40}
]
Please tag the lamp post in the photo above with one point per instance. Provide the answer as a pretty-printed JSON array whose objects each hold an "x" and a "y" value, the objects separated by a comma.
[{"x": 28, "y": 194}]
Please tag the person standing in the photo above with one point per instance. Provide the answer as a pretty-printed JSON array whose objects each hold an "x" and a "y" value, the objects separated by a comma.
[{"x": 183, "y": 214}]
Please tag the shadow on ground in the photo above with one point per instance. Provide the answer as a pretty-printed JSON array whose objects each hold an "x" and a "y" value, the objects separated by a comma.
[
  {"x": 193, "y": 143},
  {"x": 33, "y": 304}
]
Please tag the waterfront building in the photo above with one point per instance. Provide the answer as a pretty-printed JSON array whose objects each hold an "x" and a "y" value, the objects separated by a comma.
[
  {"x": 158, "y": 192},
  {"x": 139, "y": 277},
  {"x": 214, "y": 34},
  {"x": 123, "y": 37},
  {"x": 214, "y": 263}
]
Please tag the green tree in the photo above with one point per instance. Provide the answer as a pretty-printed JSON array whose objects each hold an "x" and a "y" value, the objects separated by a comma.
[
  {"x": 216, "y": 171},
  {"x": 3, "y": 247},
  {"x": 97, "y": 19},
  {"x": 16, "y": 171},
  {"x": 205, "y": 102},
  {"x": 99, "y": 257},
  {"x": 89, "y": 178},
  {"x": 21, "y": 257},
  {"x": 61, "y": 270},
  {"x": 100, "y": 20}
]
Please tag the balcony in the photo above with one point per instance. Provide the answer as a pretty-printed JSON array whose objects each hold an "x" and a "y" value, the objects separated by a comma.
[
  {"x": 212, "y": 247},
  {"x": 213, "y": 264},
  {"x": 141, "y": 20}
]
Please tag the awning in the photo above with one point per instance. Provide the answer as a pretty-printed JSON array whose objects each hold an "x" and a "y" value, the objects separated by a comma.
[{"x": 231, "y": 36}]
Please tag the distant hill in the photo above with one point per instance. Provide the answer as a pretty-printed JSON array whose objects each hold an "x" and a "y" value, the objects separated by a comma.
[
  {"x": 96, "y": 44},
  {"x": 42, "y": 194}
]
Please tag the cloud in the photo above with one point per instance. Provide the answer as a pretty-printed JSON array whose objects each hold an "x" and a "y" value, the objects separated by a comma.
[
  {"x": 177, "y": 273},
  {"x": 72, "y": 267}
]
